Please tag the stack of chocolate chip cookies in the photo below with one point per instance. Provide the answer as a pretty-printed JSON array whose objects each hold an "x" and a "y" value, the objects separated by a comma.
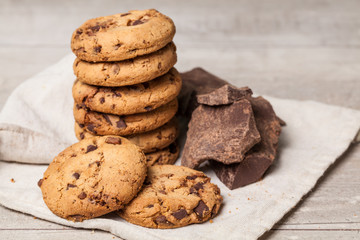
[{"x": 126, "y": 84}]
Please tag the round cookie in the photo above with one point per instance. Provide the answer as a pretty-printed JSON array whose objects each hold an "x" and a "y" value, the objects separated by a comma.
[
  {"x": 128, "y": 100},
  {"x": 173, "y": 196},
  {"x": 127, "y": 72},
  {"x": 148, "y": 141},
  {"x": 108, "y": 124},
  {"x": 79, "y": 183},
  {"x": 122, "y": 36},
  {"x": 167, "y": 155}
]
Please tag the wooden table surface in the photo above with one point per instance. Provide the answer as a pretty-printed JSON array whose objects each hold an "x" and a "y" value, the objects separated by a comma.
[{"x": 300, "y": 49}]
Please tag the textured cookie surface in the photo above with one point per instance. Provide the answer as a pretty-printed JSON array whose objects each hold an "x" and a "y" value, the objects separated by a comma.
[
  {"x": 127, "y": 100},
  {"x": 128, "y": 72},
  {"x": 122, "y": 36},
  {"x": 79, "y": 183},
  {"x": 108, "y": 124},
  {"x": 173, "y": 196},
  {"x": 151, "y": 141},
  {"x": 163, "y": 156}
]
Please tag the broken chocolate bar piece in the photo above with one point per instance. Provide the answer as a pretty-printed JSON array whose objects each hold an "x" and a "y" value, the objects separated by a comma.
[
  {"x": 222, "y": 133},
  {"x": 226, "y": 94},
  {"x": 196, "y": 82},
  {"x": 261, "y": 156}
]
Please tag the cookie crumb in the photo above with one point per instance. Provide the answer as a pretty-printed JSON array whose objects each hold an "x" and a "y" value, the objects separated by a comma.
[
  {"x": 229, "y": 194},
  {"x": 249, "y": 199},
  {"x": 12, "y": 180},
  {"x": 211, "y": 221},
  {"x": 229, "y": 211},
  {"x": 35, "y": 217},
  {"x": 92, "y": 231}
]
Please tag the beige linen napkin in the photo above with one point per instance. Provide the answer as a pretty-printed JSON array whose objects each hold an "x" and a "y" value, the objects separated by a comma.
[{"x": 36, "y": 123}]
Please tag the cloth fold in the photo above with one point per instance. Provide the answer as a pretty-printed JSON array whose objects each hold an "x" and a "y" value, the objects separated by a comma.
[{"x": 37, "y": 123}]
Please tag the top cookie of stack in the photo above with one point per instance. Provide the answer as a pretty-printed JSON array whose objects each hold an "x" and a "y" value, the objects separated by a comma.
[{"x": 126, "y": 84}]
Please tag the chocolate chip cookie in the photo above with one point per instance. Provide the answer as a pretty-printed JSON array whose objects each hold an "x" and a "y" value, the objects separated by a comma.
[
  {"x": 173, "y": 196},
  {"x": 149, "y": 142},
  {"x": 122, "y": 36},
  {"x": 108, "y": 124},
  {"x": 163, "y": 156},
  {"x": 128, "y": 100},
  {"x": 127, "y": 72},
  {"x": 79, "y": 183}
]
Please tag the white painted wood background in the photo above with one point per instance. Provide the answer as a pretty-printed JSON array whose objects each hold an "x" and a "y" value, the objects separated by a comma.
[{"x": 301, "y": 49}]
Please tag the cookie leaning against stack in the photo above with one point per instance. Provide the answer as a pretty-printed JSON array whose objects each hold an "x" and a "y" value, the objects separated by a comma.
[{"x": 126, "y": 84}]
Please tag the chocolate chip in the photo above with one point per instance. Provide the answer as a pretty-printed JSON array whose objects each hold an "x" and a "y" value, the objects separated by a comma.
[
  {"x": 116, "y": 47},
  {"x": 124, "y": 14},
  {"x": 83, "y": 101},
  {"x": 82, "y": 195},
  {"x": 191, "y": 177},
  {"x": 148, "y": 108},
  {"x": 146, "y": 85},
  {"x": 70, "y": 186},
  {"x": 137, "y": 22},
  {"x": 76, "y": 175},
  {"x": 82, "y": 136},
  {"x": 159, "y": 65},
  {"x": 95, "y": 28},
  {"x": 81, "y": 125},
  {"x": 78, "y": 106},
  {"x": 80, "y": 50},
  {"x": 121, "y": 123},
  {"x": 39, "y": 183},
  {"x": 107, "y": 119},
  {"x": 159, "y": 137},
  {"x": 91, "y": 127},
  {"x": 73, "y": 155},
  {"x": 91, "y": 148},
  {"x": 113, "y": 140},
  {"x": 201, "y": 208},
  {"x": 180, "y": 214},
  {"x": 102, "y": 100},
  {"x": 199, "y": 186},
  {"x": 172, "y": 148},
  {"x": 193, "y": 191},
  {"x": 161, "y": 219},
  {"x": 97, "y": 49},
  {"x": 79, "y": 31},
  {"x": 150, "y": 206}
]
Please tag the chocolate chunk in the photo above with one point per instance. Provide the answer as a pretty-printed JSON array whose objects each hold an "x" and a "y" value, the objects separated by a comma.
[
  {"x": 226, "y": 94},
  {"x": 82, "y": 195},
  {"x": 102, "y": 100},
  {"x": 91, "y": 127},
  {"x": 70, "y": 186},
  {"x": 81, "y": 125},
  {"x": 191, "y": 177},
  {"x": 193, "y": 191},
  {"x": 121, "y": 123},
  {"x": 137, "y": 22},
  {"x": 97, "y": 49},
  {"x": 113, "y": 140},
  {"x": 39, "y": 183},
  {"x": 261, "y": 156},
  {"x": 222, "y": 133},
  {"x": 201, "y": 208},
  {"x": 107, "y": 119},
  {"x": 82, "y": 136},
  {"x": 124, "y": 14},
  {"x": 161, "y": 219},
  {"x": 180, "y": 214},
  {"x": 91, "y": 148},
  {"x": 76, "y": 175},
  {"x": 196, "y": 82},
  {"x": 199, "y": 186},
  {"x": 95, "y": 28},
  {"x": 148, "y": 109}
]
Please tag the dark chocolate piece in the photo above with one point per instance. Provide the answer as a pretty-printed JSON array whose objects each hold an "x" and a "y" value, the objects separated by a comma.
[
  {"x": 222, "y": 133},
  {"x": 226, "y": 94},
  {"x": 261, "y": 156},
  {"x": 196, "y": 82}
]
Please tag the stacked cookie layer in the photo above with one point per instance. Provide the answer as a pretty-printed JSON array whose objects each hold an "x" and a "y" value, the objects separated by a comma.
[{"x": 126, "y": 84}]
